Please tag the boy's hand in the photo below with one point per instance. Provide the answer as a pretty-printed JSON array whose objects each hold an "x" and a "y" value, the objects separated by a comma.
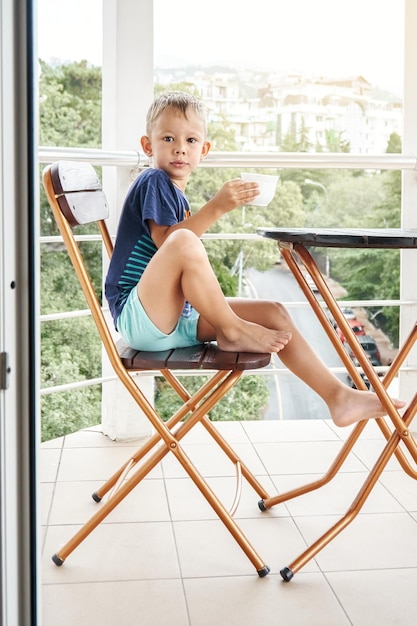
[{"x": 235, "y": 193}]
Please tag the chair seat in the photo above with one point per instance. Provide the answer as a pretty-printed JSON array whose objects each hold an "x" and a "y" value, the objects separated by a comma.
[{"x": 205, "y": 356}]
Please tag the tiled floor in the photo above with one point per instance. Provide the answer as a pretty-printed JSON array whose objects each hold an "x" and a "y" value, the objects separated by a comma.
[{"x": 163, "y": 559}]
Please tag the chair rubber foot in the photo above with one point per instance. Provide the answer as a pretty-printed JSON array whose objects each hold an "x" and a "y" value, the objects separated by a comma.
[
  {"x": 263, "y": 572},
  {"x": 96, "y": 497},
  {"x": 57, "y": 560},
  {"x": 262, "y": 506},
  {"x": 287, "y": 574}
]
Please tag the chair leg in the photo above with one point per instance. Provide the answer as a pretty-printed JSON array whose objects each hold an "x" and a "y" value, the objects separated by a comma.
[
  {"x": 197, "y": 414},
  {"x": 287, "y": 573},
  {"x": 394, "y": 438},
  {"x": 156, "y": 438},
  {"x": 212, "y": 430}
]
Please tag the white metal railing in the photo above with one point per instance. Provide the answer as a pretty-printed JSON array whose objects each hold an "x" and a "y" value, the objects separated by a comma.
[
  {"x": 297, "y": 160},
  {"x": 287, "y": 160}
]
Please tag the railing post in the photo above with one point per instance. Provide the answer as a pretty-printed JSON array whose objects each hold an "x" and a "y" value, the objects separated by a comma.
[
  {"x": 408, "y": 315},
  {"x": 127, "y": 92}
]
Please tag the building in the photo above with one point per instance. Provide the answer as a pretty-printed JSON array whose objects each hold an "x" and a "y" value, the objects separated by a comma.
[{"x": 271, "y": 112}]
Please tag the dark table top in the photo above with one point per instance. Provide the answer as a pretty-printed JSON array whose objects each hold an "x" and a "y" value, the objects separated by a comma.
[{"x": 344, "y": 237}]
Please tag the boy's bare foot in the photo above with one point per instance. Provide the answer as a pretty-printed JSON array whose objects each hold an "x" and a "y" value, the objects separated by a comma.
[
  {"x": 250, "y": 337},
  {"x": 353, "y": 405}
]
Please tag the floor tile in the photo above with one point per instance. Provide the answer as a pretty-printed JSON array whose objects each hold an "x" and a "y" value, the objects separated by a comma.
[
  {"x": 212, "y": 461},
  {"x": 127, "y": 603},
  {"x": 206, "y": 548},
  {"x": 378, "y": 597},
  {"x": 163, "y": 557},
  {"x": 402, "y": 487},
  {"x": 384, "y": 541},
  {"x": 240, "y": 601},
  {"x": 73, "y": 503},
  {"x": 303, "y": 457},
  {"x": 45, "y": 501},
  {"x": 291, "y": 430},
  {"x": 112, "y": 552},
  {"x": 233, "y": 432},
  {"x": 335, "y": 497},
  {"x": 93, "y": 438},
  {"x": 187, "y": 503},
  {"x": 49, "y": 461},
  {"x": 95, "y": 463},
  {"x": 368, "y": 451}
]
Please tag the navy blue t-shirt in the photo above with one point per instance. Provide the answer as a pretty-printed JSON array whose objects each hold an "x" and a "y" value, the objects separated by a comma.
[{"x": 151, "y": 197}]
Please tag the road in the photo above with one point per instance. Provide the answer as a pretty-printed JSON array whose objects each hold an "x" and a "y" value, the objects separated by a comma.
[{"x": 290, "y": 398}]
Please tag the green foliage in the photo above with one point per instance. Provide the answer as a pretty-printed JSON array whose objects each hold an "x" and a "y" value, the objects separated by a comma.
[
  {"x": 245, "y": 401},
  {"x": 60, "y": 289},
  {"x": 369, "y": 274},
  {"x": 71, "y": 351},
  {"x": 296, "y": 141},
  {"x": 65, "y": 413},
  {"x": 394, "y": 144},
  {"x": 222, "y": 136},
  {"x": 372, "y": 274},
  {"x": 335, "y": 142},
  {"x": 286, "y": 209},
  {"x": 348, "y": 201},
  {"x": 70, "y": 105},
  {"x": 185, "y": 86},
  {"x": 69, "y": 115}
]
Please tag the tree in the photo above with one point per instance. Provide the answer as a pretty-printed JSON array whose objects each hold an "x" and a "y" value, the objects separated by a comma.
[
  {"x": 296, "y": 140},
  {"x": 70, "y": 115},
  {"x": 375, "y": 274},
  {"x": 335, "y": 141},
  {"x": 70, "y": 105},
  {"x": 245, "y": 401}
]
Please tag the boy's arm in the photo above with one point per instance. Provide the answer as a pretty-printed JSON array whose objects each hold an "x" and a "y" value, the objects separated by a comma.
[{"x": 234, "y": 193}]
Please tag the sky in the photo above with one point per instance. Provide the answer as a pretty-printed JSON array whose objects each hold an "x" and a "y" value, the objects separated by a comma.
[{"x": 315, "y": 37}]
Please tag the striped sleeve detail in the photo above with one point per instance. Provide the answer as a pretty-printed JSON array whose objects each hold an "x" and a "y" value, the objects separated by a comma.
[{"x": 136, "y": 264}]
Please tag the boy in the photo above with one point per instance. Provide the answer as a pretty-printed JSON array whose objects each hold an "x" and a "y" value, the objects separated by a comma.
[{"x": 161, "y": 289}]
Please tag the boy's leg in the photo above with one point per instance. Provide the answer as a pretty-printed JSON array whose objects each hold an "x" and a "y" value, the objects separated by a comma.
[
  {"x": 179, "y": 271},
  {"x": 346, "y": 405}
]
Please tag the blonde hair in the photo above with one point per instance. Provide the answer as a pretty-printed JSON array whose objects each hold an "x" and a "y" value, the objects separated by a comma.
[{"x": 178, "y": 100}]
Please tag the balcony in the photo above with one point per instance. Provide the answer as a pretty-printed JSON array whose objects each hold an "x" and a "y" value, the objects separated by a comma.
[
  {"x": 162, "y": 557},
  {"x": 322, "y": 592}
]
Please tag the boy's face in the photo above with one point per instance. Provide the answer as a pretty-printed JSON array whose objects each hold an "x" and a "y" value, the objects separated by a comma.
[{"x": 177, "y": 144}]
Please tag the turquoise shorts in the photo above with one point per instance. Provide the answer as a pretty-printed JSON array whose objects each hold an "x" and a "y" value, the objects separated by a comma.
[{"x": 140, "y": 333}]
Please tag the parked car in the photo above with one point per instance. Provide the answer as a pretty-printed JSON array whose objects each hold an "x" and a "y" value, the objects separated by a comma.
[
  {"x": 363, "y": 375},
  {"x": 348, "y": 313},
  {"x": 356, "y": 326},
  {"x": 369, "y": 346},
  {"x": 311, "y": 283}
]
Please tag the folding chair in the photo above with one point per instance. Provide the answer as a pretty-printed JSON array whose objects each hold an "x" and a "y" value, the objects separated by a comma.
[{"x": 75, "y": 195}]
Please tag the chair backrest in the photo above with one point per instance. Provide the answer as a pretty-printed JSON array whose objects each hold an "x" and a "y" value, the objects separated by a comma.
[{"x": 75, "y": 195}]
